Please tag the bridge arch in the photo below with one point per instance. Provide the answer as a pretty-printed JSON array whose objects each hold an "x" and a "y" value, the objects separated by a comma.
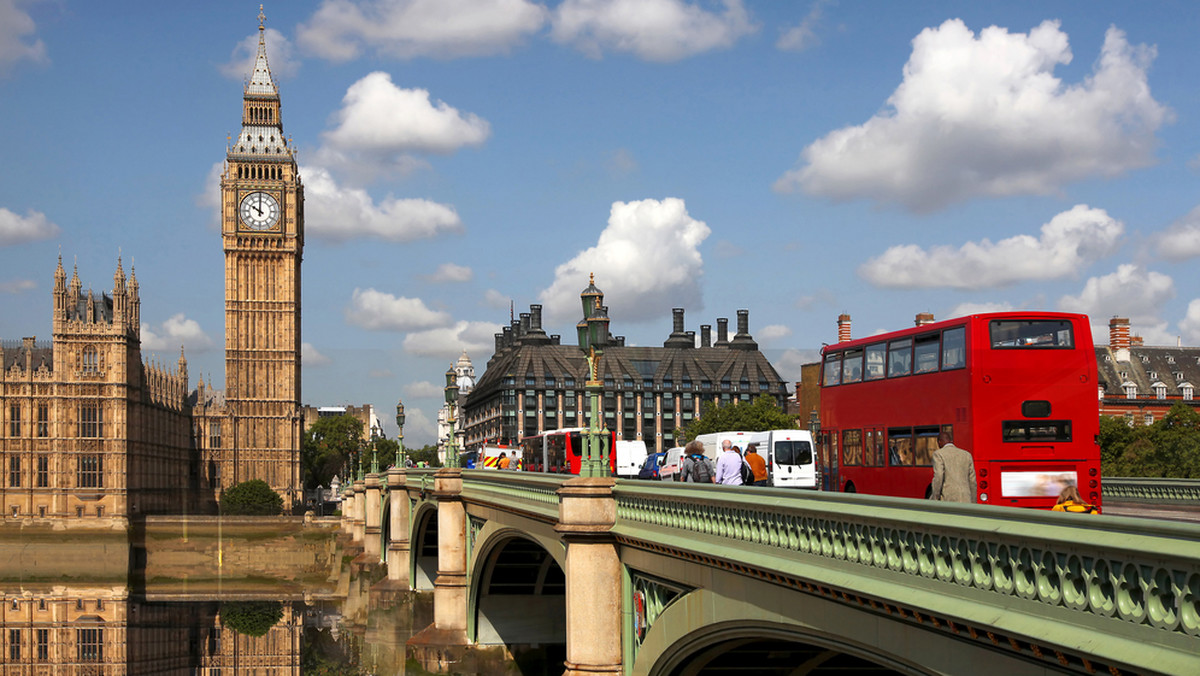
[
  {"x": 423, "y": 557},
  {"x": 518, "y": 590},
  {"x": 742, "y": 621}
]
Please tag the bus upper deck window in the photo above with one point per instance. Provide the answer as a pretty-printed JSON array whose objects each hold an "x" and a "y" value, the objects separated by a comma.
[
  {"x": 1031, "y": 334},
  {"x": 852, "y": 363},
  {"x": 900, "y": 357},
  {"x": 925, "y": 353},
  {"x": 833, "y": 369},
  {"x": 876, "y": 356},
  {"x": 954, "y": 353}
]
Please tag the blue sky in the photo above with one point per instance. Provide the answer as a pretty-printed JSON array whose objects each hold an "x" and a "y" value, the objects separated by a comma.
[{"x": 796, "y": 159}]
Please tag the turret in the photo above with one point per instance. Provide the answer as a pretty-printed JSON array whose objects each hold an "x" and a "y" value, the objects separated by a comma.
[
  {"x": 60, "y": 293},
  {"x": 135, "y": 305},
  {"x": 120, "y": 300}
]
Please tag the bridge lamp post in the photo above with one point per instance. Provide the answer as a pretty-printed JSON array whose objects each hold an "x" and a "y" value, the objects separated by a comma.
[
  {"x": 595, "y": 449},
  {"x": 400, "y": 435},
  {"x": 451, "y": 402},
  {"x": 362, "y": 460}
]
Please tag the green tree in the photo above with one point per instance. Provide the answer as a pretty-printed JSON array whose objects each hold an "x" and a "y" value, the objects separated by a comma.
[
  {"x": 251, "y": 498},
  {"x": 1168, "y": 448},
  {"x": 326, "y": 448},
  {"x": 385, "y": 450},
  {"x": 1115, "y": 437},
  {"x": 756, "y": 416},
  {"x": 251, "y": 618}
]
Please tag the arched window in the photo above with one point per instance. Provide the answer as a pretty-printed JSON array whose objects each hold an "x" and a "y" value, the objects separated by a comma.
[{"x": 90, "y": 360}]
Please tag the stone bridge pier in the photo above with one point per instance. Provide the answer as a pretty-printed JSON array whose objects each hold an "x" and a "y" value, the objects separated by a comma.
[{"x": 372, "y": 528}]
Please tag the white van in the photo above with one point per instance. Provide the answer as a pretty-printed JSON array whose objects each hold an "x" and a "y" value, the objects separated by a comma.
[
  {"x": 713, "y": 442},
  {"x": 630, "y": 456},
  {"x": 789, "y": 455},
  {"x": 672, "y": 463}
]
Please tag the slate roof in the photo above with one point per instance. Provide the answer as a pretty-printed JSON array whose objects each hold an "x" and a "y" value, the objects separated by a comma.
[{"x": 1171, "y": 366}]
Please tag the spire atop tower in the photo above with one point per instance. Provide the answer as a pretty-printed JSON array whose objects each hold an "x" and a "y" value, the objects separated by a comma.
[{"x": 261, "y": 83}]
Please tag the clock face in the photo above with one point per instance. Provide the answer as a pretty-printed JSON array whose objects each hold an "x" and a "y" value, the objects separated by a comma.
[{"x": 259, "y": 211}]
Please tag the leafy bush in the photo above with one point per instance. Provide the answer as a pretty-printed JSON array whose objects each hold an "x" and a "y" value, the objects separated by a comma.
[
  {"x": 251, "y": 618},
  {"x": 251, "y": 498}
]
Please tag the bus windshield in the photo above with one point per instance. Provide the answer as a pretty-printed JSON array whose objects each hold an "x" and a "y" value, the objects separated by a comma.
[
  {"x": 1024, "y": 334},
  {"x": 793, "y": 453}
]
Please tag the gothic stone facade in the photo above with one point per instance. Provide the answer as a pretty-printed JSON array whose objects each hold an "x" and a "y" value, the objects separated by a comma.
[{"x": 89, "y": 429}]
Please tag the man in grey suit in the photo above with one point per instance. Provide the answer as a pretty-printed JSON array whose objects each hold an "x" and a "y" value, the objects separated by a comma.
[{"x": 953, "y": 472}]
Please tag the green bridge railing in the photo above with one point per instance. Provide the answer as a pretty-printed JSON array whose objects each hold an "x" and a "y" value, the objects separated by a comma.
[{"x": 1175, "y": 492}]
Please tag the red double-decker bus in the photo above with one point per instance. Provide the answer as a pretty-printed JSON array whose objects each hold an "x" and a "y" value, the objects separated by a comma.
[
  {"x": 561, "y": 451},
  {"x": 1016, "y": 389}
]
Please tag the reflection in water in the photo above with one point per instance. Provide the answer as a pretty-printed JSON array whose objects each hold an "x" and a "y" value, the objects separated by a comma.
[{"x": 102, "y": 630}]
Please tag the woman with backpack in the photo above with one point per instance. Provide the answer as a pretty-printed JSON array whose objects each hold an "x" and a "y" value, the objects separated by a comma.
[
  {"x": 1071, "y": 501},
  {"x": 696, "y": 468}
]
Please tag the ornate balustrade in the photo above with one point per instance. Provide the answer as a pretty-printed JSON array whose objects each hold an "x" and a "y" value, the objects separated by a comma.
[
  {"x": 1152, "y": 490},
  {"x": 1065, "y": 579},
  {"x": 533, "y": 494}
]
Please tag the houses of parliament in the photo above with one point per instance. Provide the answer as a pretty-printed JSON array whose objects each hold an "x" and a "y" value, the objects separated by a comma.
[{"x": 91, "y": 434}]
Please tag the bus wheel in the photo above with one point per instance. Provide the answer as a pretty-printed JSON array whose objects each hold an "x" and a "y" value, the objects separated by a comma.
[{"x": 849, "y": 488}]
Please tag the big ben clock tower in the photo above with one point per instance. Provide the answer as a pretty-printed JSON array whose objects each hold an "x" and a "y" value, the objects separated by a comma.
[{"x": 262, "y": 229}]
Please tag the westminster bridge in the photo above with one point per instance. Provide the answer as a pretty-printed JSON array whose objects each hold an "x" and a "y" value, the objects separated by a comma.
[{"x": 665, "y": 578}]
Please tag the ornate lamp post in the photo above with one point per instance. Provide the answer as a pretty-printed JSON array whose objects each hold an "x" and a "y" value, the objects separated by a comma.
[
  {"x": 593, "y": 333},
  {"x": 400, "y": 435},
  {"x": 451, "y": 402},
  {"x": 362, "y": 460}
]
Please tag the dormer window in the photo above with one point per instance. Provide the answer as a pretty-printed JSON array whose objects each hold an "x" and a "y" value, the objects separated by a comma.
[
  {"x": 1145, "y": 359},
  {"x": 1178, "y": 376},
  {"x": 1160, "y": 390},
  {"x": 1186, "y": 388},
  {"x": 1154, "y": 375},
  {"x": 1100, "y": 392},
  {"x": 1130, "y": 389},
  {"x": 1170, "y": 359},
  {"x": 1108, "y": 358}
]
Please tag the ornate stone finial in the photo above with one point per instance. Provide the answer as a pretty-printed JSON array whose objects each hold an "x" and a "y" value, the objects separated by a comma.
[
  {"x": 591, "y": 278},
  {"x": 261, "y": 17}
]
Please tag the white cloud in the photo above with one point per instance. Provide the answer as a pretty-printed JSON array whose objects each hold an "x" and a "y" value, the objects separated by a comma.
[
  {"x": 494, "y": 299},
  {"x": 772, "y": 332},
  {"x": 16, "y": 229},
  {"x": 176, "y": 331},
  {"x": 789, "y": 363},
  {"x": 309, "y": 356},
  {"x": 451, "y": 272},
  {"x": 419, "y": 428},
  {"x": 647, "y": 261},
  {"x": 378, "y": 311},
  {"x": 964, "y": 309},
  {"x": 803, "y": 35},
  {"x": 654, "y": 30},
  {"x": 422, "y": 389},
  {"x": 17, "y": 286},
  {"x": 1070, "y": 241},
  {"x": 985, "y": 116},
  {"x": 381, "y": 125},
  {"x": 338, "y": 213},
  {"x": 1181, "y": 240},
  {"x": 280, "y": 57},
  {"x": 1189, "y": 327},
  {"x": 1131, "y": 291},
  {"x": 17, "y": 37},
  {"x": 341, "y": 29},
  {"x": 449, "y": 342}
]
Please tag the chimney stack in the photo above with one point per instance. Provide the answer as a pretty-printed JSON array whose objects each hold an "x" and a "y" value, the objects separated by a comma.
[
  {"x": 843, "y": 328},
  {"x": 923, "y": 318},
  {"x": 742, "y": 340},
  {"x": 722, "y": 332},
  {"x": 678, "y": 338},
  {"x": 706, "y": 335},
  {"x": 1118, "y": 338}
]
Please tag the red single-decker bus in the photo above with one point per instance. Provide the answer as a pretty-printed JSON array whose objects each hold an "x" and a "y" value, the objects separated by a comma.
[
  {"x": 1016, "y": 389},
  {"x": 561, "y": 451}
]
